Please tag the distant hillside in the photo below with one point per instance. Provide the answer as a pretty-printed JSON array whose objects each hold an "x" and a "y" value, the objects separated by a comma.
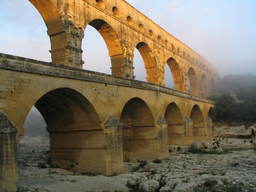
[
  {"x": 236, "y": 99},
  {"x": 242, "y": 86}
]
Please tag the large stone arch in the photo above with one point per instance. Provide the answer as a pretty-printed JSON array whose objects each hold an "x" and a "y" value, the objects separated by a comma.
[
  {"x": 139, "y": 131},
  {"x": 176, "y": 129},
  {"x": 71, "y": 117},
  {"x": 65, "y": 107},
  {"x": 65, "y": 37},
  {"x": 150, "y": 62},
  {"x": 177, "y": 74},
  {"x": 113, "y": 43},
  {"x": 49, "y": 13},
  {"x": 192, "y": 82},
  {"x": 197, "y": 117},
  {"x": 52, "y": 19}
]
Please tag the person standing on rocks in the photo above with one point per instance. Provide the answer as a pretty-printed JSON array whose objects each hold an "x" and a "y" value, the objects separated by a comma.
[{"x": 254, "y": 137}]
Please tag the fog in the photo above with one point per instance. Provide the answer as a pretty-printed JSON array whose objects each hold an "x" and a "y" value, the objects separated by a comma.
[{"x": 222, "y": 32}]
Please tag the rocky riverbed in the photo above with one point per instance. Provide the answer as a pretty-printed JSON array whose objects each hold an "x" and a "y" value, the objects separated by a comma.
[
  {"x": 228, "y": 164},
  {"x": 195, "y": 171}
]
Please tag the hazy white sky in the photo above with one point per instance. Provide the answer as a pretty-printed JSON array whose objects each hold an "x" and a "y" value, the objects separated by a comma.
[{"x": 224, "y": 32}]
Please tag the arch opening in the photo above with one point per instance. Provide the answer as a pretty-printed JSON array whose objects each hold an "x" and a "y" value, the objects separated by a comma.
[
  {"x": 192, "y": 82},
  {"x": 176, "y": 128},
  {"x": 198, "y": 121},
  {"x": 34, "y": 144},
  {"x": 176, "y": 73},
  {"x": 100, "y": 4},
  {"x": 116, "y": 11},
  {"x": 129, "y": 20},
  {"x": 114, "y": 47},
  {"x": 70, "y": 117},
  {"x": 139, "y": 131},
  {"x": 92, "y": 43},
  {"x": 168, "y": 78},
  {"x": 139, "y": 67},
  {"x": 150, "y": 62}
]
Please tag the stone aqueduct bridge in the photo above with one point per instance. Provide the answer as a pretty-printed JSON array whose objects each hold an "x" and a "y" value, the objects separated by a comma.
[{"x": 98, "y": 121}]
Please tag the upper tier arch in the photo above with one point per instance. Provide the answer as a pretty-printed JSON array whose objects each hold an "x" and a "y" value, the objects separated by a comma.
[{"x": 66, "y": 22}]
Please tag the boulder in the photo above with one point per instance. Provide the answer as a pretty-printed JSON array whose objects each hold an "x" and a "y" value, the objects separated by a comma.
[{"x": 149, "y": 186}]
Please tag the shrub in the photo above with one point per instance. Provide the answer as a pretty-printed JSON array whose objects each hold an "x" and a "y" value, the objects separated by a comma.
[
  {"x": 157, "y": 161},
  {"x": 142, "y": 164}
]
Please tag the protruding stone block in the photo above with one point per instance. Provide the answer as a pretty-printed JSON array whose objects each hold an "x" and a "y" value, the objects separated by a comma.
[
  {"x": 163, "y": 151},
  {"x": 188, "y": 126}
]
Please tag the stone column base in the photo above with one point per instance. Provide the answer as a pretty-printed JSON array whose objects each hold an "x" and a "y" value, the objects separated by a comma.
[{"x": 8, "y": 170}]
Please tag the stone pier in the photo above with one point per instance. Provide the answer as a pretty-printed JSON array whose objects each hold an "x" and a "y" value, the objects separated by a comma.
[{"x": 8, "y": 171}]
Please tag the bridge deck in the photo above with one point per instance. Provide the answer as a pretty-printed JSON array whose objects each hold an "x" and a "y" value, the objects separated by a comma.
[{"x": 26, "y": 65}]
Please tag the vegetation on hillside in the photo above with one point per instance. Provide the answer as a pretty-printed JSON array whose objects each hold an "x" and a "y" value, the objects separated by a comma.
[{"x": 236, "y": 99}]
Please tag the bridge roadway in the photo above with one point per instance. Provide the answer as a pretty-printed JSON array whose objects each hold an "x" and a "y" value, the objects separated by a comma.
[{"x": 96, "y": 121}]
